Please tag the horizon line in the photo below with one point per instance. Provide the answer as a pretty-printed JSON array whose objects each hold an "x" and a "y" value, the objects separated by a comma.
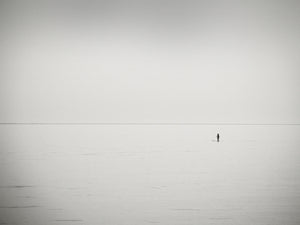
[{"x": 144, "y": 123}]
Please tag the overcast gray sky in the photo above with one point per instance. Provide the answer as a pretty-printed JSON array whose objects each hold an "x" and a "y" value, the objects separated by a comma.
[{"x": 150, "y": 61}]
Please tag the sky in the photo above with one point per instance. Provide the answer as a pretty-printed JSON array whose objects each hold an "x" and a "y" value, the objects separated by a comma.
[{"x": 150, "y": 61}]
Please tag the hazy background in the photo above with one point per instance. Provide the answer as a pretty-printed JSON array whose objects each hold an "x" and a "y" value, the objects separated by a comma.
[{"x": 150, "y": 61}]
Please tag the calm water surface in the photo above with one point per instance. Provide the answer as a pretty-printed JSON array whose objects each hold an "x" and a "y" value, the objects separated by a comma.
[{"x": 138, "y": 175}]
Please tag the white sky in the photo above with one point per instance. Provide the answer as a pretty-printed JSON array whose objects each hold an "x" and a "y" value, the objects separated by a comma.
[{"x": 164, "y": 61}]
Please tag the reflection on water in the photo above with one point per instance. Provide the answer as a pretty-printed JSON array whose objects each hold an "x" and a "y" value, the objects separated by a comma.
[{"x": 149, "y": 175}]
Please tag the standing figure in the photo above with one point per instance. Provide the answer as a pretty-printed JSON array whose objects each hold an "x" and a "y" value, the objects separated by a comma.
[{"x": 218, "y": 137}]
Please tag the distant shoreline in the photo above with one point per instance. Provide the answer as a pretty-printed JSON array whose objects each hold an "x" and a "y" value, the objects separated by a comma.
[{"x": 167, "y": 124}]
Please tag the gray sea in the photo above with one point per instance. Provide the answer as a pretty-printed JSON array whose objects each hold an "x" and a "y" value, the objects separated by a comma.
[{"x": 149, "y": 174}]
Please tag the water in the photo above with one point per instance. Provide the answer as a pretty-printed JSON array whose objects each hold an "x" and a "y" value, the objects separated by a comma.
[{"x": 141, "y": 174}]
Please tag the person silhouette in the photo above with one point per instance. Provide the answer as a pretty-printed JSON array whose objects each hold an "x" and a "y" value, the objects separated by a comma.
[{"x": 218, "y": 137}]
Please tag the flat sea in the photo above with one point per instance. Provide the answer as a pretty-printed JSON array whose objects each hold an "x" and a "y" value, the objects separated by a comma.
[{"x": 149, "y": 174}]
